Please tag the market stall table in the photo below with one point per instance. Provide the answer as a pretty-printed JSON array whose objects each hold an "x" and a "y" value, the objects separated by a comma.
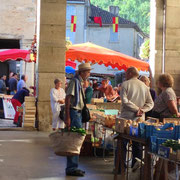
[
  {"x": 120, "y": 152},
  {"x": 159, "y": 168}
]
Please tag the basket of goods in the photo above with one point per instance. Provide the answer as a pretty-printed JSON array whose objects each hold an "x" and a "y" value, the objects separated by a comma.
[{"x": 67, "y": 142}]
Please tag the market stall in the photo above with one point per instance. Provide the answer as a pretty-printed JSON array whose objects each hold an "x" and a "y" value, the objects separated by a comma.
[{"x": 159, "y": 142}]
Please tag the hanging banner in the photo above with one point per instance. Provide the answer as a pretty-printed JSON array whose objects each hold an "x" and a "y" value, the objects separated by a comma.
[
  {"x": 115, "y": 24},
  {"x": 73, "y": 23},
  {"x": 9, "y": 111}
]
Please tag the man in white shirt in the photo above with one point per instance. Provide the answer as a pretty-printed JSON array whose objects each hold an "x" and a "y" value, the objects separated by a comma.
[
  {"x": 136, "y": 101},
  {"x": 57, "y": 95},
  {"x": 135, "y": 96}
]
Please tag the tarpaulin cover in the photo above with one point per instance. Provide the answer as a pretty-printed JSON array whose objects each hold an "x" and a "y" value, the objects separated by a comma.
[{"x": 89, "y": 52}]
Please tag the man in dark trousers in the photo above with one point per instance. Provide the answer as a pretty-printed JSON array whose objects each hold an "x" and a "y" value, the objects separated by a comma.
[
  {"x": 13, "y": 84},
  {"x": 73, "y": 107}
]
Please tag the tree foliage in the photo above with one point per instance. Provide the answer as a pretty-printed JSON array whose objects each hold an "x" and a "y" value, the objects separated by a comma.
[
  {"x": 145, "y": 50},
  {"x": 137, "y": 11}
]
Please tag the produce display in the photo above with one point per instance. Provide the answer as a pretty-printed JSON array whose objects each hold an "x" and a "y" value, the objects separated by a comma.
[
  {"x": 77, "y": 130},
  {"x": 174, "y": 144}
]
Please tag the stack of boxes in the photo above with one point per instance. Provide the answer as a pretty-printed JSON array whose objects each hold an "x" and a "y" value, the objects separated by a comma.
[{"x": 29, "y": 114}]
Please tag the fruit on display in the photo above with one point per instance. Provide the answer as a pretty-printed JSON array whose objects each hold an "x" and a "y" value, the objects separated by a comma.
[{"x": 110, "y": 120}]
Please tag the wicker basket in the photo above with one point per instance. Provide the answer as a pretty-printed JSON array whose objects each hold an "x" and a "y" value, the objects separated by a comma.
[{"x": 66, "y": 143}]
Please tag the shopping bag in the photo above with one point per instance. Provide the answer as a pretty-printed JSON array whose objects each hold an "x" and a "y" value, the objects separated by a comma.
[{"x": 66, "y": 143}]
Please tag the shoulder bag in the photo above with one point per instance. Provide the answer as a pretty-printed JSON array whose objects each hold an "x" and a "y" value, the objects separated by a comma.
[{"x": 85, "y": 111}]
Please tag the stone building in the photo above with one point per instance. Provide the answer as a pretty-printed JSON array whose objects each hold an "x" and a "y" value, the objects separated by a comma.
[
  {"x": 17, "y": 28},
  {"x": 165, "y": 39}
]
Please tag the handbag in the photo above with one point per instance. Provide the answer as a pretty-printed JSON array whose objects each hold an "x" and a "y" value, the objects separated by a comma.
[
  {"x": 85, "y": 111},
  {"x": 62, "y": 113}
]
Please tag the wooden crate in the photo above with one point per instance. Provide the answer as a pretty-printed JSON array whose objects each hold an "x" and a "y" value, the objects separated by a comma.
[
  {"x": 30, "y": 103},
  {"x": 30, "y": 99},
  {"x": 120, "y": 125},
  {"x": 29, "y": 112},
  {"x": 172, "y": 120},
  {"x": 96, "y": 100}
]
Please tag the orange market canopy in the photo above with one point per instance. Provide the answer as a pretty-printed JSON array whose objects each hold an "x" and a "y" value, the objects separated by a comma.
[{"x": 89, "y": 52}]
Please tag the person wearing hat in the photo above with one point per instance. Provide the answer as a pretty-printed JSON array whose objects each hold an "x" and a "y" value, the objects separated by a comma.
[
  {"x": 57, "y": 96},
  {"x": 73, "y": 107}
]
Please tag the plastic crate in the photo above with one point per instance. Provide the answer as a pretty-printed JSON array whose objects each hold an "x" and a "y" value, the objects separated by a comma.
[
  {"x": 111, "y": 111},
  {"x": 142, "y": 130},
  {"x": 134, "y": 131},
  {"x": 163, "y": 151},
  {"x": 155, "y": 143},
  {"x": 152, "y": 131},
  {"x": 177, "y": 132}
]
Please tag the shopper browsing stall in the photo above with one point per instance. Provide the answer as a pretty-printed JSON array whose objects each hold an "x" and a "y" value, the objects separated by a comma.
[
  {"x": 73, "y": 107},
  {"x": 136, "y": 100},
  {"x": 18, "y": 100},
  {"x": 165, "y": 104}
]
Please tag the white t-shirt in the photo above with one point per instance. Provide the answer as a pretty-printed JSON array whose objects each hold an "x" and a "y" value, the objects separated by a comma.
[{"x": 56, "y": 95}]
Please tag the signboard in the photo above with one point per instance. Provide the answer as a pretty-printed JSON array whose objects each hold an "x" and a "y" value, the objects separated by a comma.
[{"x": 9, "y": 111}]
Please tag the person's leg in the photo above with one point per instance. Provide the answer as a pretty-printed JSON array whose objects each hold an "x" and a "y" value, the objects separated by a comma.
[
  {"x": 61, "y": 124},
  {"x": 136, "y": 152},
  {"x": 72, "y": 161},
  {"x": 124, "y": 156},
  {"x": 54, "y": 120}
]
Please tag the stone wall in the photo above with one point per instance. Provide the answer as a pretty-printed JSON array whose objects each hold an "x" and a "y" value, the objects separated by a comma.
[
  {"x": 18, "y": 21},
  {"x": 51, "y": 55},
  {"x": 172, "y": 45}
]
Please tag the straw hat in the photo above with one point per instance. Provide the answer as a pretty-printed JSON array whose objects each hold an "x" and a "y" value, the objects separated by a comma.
[{"x": 84, "y": 67}]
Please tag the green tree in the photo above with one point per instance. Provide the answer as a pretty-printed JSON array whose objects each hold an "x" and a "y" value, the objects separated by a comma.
[
  {"x": 145, "y": 50},
  {"x": 137, "y": 11}
]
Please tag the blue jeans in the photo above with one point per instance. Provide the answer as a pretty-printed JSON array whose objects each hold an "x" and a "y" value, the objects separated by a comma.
[{"x": 76, "y": 120}]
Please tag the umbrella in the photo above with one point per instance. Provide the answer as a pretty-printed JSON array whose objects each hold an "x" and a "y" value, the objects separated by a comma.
[
  {"x": 89, "y": 52},
  {"x": 69, "y": 70},
  {"x": 14, "y": 54}
]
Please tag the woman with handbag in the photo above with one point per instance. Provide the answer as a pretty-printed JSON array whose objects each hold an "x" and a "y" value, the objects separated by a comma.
[
  {"x": 165, "y": 105},
  {"x": 57, "y": 95},
  {"x": 75, "y": 108}
]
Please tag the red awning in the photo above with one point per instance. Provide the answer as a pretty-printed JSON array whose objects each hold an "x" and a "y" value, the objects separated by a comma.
[
  {"x": 89, "y": 52},
  {"x": 14, "y": 54},
  {"x": 71, "y": 63}
]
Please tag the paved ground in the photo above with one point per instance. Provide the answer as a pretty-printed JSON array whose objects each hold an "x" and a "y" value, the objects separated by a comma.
[{"x": 28, "y": 155}]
